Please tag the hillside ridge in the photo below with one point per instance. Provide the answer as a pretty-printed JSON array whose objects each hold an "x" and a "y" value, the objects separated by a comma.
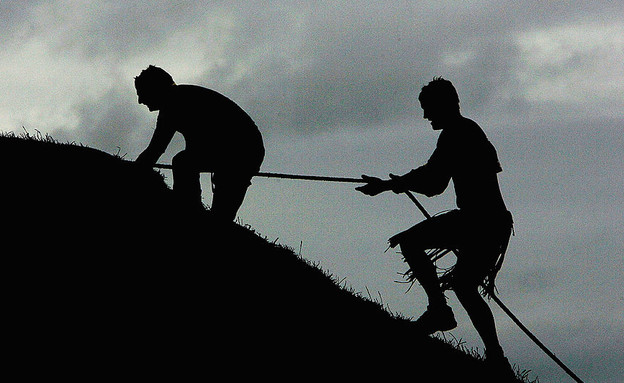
[{"x": 103, "y": 262}]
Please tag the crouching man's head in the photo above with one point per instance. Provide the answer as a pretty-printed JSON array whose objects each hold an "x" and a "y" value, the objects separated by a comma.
[{"x": 153, "y": 86}]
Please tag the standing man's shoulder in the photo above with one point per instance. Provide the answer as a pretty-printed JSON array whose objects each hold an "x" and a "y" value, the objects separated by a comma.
[
  {"x": 469, "y": 131},
  {"x": 476, "y": 142},
  {"x": 463, "y": 130}
]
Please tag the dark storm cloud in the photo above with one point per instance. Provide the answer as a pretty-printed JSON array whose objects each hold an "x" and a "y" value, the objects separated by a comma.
[
  {"x": 16, "y": 16},
  {"x": 353, "y": 64},
  {"x": 110, "y": 28},
  {"x": 363, "y": 63},
  {"x": 308, "y": 68},
  {"x": 312, "y": 66}
]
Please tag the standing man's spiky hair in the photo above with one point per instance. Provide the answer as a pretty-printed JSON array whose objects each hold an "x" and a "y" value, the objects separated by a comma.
[{"x": 441, "y": 92}]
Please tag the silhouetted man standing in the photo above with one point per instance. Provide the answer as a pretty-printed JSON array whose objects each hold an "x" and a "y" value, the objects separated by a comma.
[
  {"x": 479, "y": 229},
  {"x": 220, "y": 137}
]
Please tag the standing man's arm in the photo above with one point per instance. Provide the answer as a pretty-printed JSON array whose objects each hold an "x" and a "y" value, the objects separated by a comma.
[{"x": 430, "y": 179}]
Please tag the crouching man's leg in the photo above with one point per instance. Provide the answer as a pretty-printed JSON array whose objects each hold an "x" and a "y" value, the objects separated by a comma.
[
  {"x": 186, "y": 184},
  {"x": 228, "y": 194}
]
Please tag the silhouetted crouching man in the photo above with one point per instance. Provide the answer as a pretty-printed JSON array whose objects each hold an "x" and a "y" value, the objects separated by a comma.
[
  {"x": 220, "y": 137},
  {"x": 479, "y": 229}
]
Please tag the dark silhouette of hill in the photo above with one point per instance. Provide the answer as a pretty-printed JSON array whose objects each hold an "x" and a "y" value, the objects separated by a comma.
[{"x": 106, "y": 274}]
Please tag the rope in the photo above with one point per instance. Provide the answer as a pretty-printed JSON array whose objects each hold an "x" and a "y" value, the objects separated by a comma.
[
  {"x": 310, "y": 178},
  {"x": 427, "y": 216},
  {"x": 535, "y": 340},
  {"x": 509, "y": 313},
  {"x": 290, "y": 176}
]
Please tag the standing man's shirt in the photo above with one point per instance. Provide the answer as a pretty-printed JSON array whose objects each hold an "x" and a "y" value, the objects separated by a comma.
[{"x": 465, "y": 155}]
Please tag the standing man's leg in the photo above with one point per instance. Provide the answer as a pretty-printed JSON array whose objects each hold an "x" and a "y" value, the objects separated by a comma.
[
  {"x": 439, "y": 316},
  {"x": 469, "y": 273},
  {"x": 436, "y": 232},
  {"x": 480, "y": 315},
  {"x": 424, "y": 271}
]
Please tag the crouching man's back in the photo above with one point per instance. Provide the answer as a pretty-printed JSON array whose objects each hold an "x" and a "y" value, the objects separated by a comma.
[{"x": 220, "y": 137}]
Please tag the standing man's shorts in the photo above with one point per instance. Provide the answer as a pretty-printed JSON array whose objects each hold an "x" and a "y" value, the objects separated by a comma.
[{"x": 479, "y": 239}]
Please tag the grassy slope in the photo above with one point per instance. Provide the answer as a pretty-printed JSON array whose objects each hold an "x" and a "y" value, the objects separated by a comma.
[{"x": 105, "y": 270}]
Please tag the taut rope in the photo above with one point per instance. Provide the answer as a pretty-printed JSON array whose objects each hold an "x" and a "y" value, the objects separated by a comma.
[{"x": 427, "y": 216}]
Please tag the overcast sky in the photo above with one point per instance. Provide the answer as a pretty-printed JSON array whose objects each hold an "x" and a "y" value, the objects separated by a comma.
[{"x": 333, "y": 87}]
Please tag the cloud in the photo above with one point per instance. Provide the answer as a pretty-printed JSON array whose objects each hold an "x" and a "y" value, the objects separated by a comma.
[
  {"x": 356, "y": 64},
  {"x": 108, "y": 28},
  {"x": 334, "y": 86},
  {"x": 16, "y": 20},
  {"x": 310, "y": 68},
  {"x": 575, "y": 64},
  {"x": 112, "y": 122},
  {"x": 306, "y": 67}
]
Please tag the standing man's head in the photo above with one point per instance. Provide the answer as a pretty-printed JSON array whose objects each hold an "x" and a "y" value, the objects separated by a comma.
[
  {"x": 440, "y": 102},
  {"x": 153, "y": 86}
]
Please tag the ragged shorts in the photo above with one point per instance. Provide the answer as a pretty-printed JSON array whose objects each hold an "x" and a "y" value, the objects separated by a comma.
[{"x": 479, "y": 240}]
